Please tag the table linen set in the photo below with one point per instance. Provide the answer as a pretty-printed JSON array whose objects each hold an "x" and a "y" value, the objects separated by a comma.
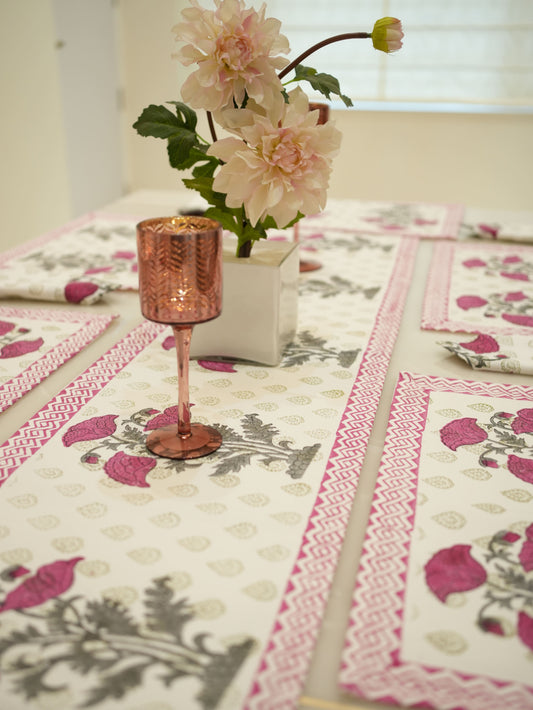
[{"x": 127, "y": 580}]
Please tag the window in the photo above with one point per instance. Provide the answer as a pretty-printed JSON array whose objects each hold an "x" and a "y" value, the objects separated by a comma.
[{"x": 474, "y": 53}]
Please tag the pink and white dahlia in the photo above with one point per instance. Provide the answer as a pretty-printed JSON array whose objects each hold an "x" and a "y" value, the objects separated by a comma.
[
  {"x": 280, "y": 164},
  {"x": 237, "y": 52}
]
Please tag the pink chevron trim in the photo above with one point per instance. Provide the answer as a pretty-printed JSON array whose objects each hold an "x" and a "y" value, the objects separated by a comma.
[
  {"x": 47, "y": 422},
  {"x": 90, "y": 326},
  {"x": 435, "y": 312},
  {"x": 282, "y": 668},
  {"x": 371, "y": 666}
]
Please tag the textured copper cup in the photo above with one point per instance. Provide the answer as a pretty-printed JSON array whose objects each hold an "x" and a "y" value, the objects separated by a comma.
[
  {"x": 323, "y": 117},
  {"x": 180, "y": 283}
]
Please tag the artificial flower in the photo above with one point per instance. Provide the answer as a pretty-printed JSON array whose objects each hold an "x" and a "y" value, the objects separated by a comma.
[
  {"x": 279, "y": 167},
  {"x": 237, "y": 52},
  {"x": 387, "y": 34}
]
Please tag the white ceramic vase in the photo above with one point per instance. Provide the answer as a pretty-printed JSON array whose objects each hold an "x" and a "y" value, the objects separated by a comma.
[{"x": 259, "y": 305}]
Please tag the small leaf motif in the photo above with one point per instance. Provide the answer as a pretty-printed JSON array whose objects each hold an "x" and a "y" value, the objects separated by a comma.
[{"x": 448, "y": 642}]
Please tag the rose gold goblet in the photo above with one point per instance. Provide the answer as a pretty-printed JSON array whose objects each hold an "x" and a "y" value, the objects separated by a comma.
[
  {"x": 180, "y": 283},
  {"x": 323, "y": 116}
]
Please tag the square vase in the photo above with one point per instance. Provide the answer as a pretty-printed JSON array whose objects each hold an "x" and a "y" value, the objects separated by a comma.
[{"x": 259, "y": 305}]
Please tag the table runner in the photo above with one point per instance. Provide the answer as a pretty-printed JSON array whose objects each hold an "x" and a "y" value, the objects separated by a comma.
[
  {"x": 441, "y": 612},
  {"x": 480, "y": 288},
  {"x": 78, "y": 263},
  {"x": 201, "y": 580},
  {"x": 411, "y": 219},
  {"x": 506, "y": 353},
  {"x": 35, "y": 342}
]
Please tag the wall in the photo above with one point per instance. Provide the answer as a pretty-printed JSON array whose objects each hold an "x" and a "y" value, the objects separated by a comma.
[{"x": 481, "y": 160}]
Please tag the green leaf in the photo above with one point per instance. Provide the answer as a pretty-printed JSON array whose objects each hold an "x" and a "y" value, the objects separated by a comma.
[
  {"x": 158, "y": 122},
  {"x": 204, "y": 186},
  {"x": 185, "y": 115},
  {"x": 180, "y": 149},
  {"x": 226, "y": 219},
  {"x": 324, "y": 83}
]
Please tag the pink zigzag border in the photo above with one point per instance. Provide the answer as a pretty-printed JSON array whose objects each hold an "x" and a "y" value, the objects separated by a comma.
[
  {"x": 90, "y": 326},
  {"x": 370, "y": 661},
  {"x": 435, "y": 311},
  {"x": 47, "y": 422},
  {"x": 282, "y": 668}
]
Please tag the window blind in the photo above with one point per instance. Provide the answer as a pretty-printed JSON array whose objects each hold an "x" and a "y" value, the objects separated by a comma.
[{"x": 454, "y": 52}]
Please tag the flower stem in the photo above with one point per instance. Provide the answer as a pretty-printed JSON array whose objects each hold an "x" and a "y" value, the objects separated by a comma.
[
  {"x": 319, "y": 45},
  {"x": 211, "y": 125}
]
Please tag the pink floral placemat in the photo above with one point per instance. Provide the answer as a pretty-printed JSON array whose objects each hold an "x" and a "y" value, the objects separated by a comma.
[
  {"x": 35, "y": 342},
  {"x": 506, "y": 353},
  {"x": 78, "y": 263},
  {"x": 147, "y": 579},
  {"x": 480, "y": 288},
  {"x": 411, "y": 219},
  {"x": 442, "y": 614}
]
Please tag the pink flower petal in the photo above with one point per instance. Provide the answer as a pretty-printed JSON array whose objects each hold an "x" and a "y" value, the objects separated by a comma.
[
  {"x": 98, "y": 270},
  {"x": 124, "y": 255},
  {"x": 19, "y": 571},
  {"x": 217, "y": 366},
  {"x": 526, "y": 555},
  {"x": 131, "y": 470},
  {"x": 20, "y": 347},
  {"x": 525, "y": 629},
  {"x": 77, "y": 291},
  {"x": 521, "y": 468},
  {"x": 515, "y": 296},
  {"x": 482, "y": 344},
  {"x": 169, "y": 343},
  {"x": 461, "y": 432},
  {"x": 472, "y": 263},
  {"x": 453, "y": 570},
  {"x": 169, "y": 416},
  {"x": 492, "y": 626},
  {"x": 523, "y": 423},
  {"x": 90, "y": 429},
  {"x": 518, "y": 319},
  {"x": 50, "y": 581},
  {"x": 5, "y": 327},
  {"x": 514, "y": 275},
  {"x": 510, "y": 536},
  {"x": 467, "y": 302},
  {"x": 512, "y": 259}
]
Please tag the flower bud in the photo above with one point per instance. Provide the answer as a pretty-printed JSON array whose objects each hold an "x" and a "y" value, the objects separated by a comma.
[{"x": 387, "y": 34}]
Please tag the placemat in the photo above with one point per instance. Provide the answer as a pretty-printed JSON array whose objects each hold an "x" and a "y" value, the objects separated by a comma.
[
  {"x": 501, "y": 231},
  {"x": 442, "y": 613},
  {"x": 78, "y": 263},
  {"x": 411, "y": 219},
  {"x": 480, "y": 288},
  {"x": 35, "y": 342},
  {"x": 143, "y": 580},
  {"x": 506, "y": 353}
]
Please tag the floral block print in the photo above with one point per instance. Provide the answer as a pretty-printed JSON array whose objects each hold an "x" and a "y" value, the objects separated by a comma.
[
  {"x": 480, "y": 288},
  {"x": 134, "y": 580},
  {"x": 35, "y": 342},
  {"x": 449, "y": 546},
  {"x": 501, "y": 231},
  {"x": 504, "y": 353},
  {"x": 77, "y": 264}
]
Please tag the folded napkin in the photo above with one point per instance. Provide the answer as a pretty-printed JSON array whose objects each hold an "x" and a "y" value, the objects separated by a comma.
[
  {"x": 503, "y": 353},
  {"x": 78, "y": 263},
  {"x": 502, "y": 231}
]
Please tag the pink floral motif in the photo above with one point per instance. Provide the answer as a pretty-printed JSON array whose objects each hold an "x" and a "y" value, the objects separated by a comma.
[
  {"x": 462, "y": 432},
  {"x": 521, "y": 468},
  {"x": 467, "y": 302},
  {"x": 489, "y": 229},
  {"x": 515, "y": 296},
  {"x": 472, "y": 263},
  {"x": 518, "y": 319},
  {"x": 20, "y": 347},
  {"x": 517, "y": 276},
  {"x": 526, "y": 553},
  {"x": 168, "y": 416},
  {"x": 510, "y": 537},
  {"x": 130, "y": 470},
  {"x": 453, "y": 570},
  {"x": 523, "y": 423},
  {"x": 19, "y": 571},
  {"x": 98, "y": 270},
  {"x": 49, "y": 581},
  {"x": 93, "y": 428},
  {"x": 5, "y": 327},
  {"x": 482, "y": 344},
  {"x": 492, "y": 626},
  {"x": 514, "y": 259},
  {"x": 169, "y": 343},
  {"x": 525, "y": 629},
  {"x": 421, "y": 222},
  {"x": 77, "y": 291},
  {"x": 124, "y": 255},
  {"x": 217, "y": 366}
]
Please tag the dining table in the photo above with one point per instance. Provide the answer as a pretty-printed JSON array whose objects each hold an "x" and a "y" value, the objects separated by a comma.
[{"x": 363, "y": 538}]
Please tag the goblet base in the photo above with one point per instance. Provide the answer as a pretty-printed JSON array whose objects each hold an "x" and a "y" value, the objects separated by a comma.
[
  {"x": 309, "y": 265},
  {"x": 167, "y": 443}
]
